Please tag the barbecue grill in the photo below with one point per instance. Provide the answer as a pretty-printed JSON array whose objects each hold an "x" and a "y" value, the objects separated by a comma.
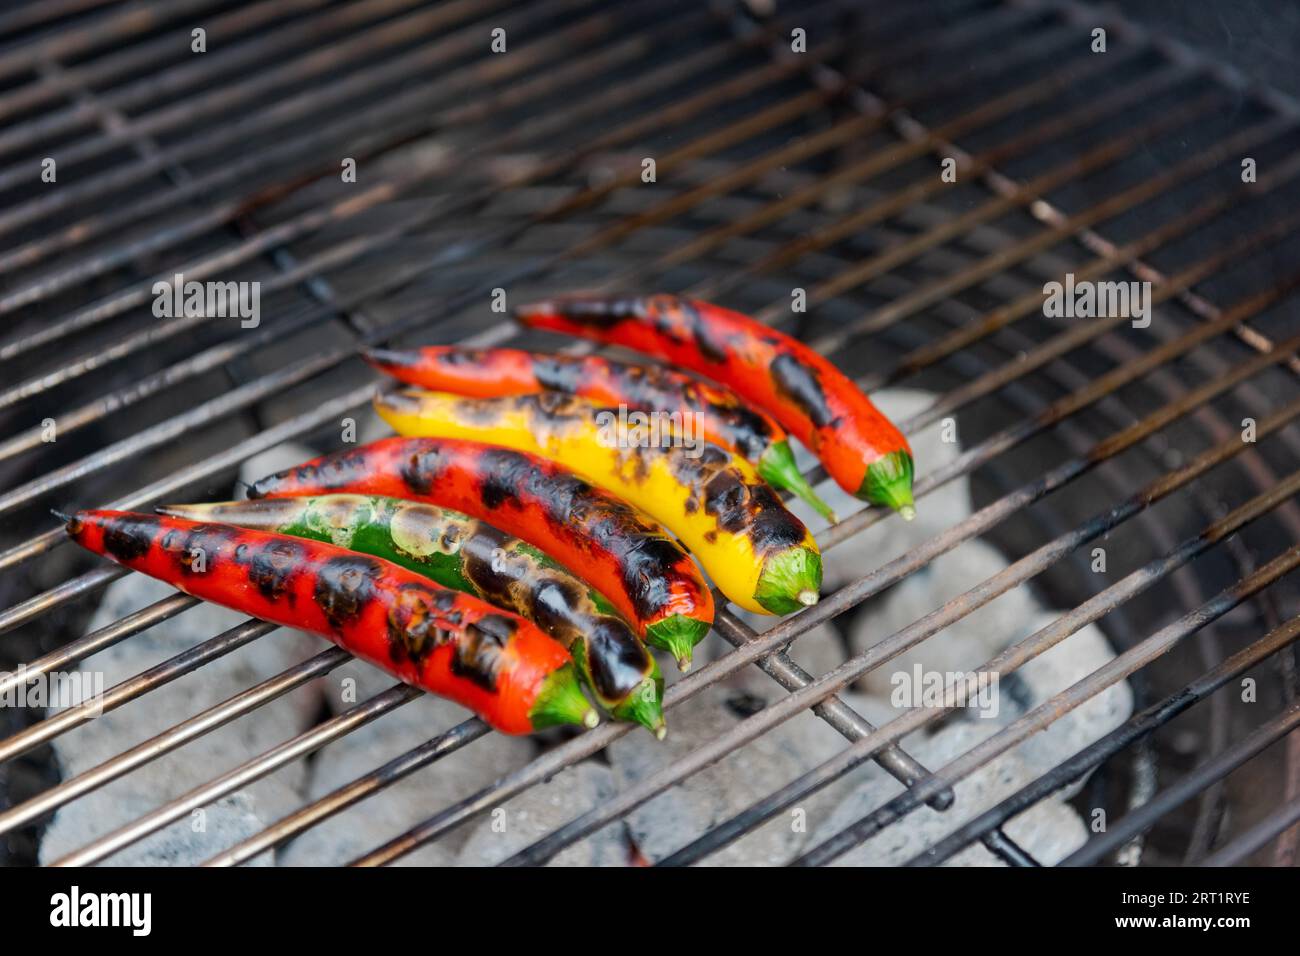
[{"x": 696, "y": 149}]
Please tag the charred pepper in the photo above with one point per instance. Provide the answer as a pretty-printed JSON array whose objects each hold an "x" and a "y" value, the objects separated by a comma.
[
  {"x": 464, "y": 554},
  {"x": 493, "y": 662},
  {"x": 815, "y": 401},
  {"x": 724, "y": 418},
  {"x": 626, "y": 555},
  {"x": 759, "y": 555}
]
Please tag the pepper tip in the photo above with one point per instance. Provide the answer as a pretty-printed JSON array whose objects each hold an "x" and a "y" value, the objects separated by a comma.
[
  {"x": 677, "y": 635},
  {"x": 888, "y": 482},
  {"x": 789, "y": 579}
]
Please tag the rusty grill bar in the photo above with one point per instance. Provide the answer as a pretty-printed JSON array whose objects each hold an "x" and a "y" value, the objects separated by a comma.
[{"x": 771, "y": 166}]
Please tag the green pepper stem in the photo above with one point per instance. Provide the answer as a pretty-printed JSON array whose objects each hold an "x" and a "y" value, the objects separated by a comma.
[
  {"x": 778, "y": 468},
  {"x": 677, "y": 635},
  {"x": 888, "y": 482},
  {"x": 645, "y": 706},
  {"x": 560, "y": 701},
  {"x": 790, "y": 580}
]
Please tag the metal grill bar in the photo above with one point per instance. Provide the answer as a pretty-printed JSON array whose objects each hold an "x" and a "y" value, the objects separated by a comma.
[
  {"x": 1189, "y": 786},
  {"x": 1258, "y": 836},
  {"x": 771, "y": 640},
  {"x": 1136, "y": 727},
  {"x": 894, "y": 644},
  {"x": 1117, "y": 669}
]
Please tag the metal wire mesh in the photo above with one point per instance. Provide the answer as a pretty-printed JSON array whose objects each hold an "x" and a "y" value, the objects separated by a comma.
[{"x": 774, "y": 169}]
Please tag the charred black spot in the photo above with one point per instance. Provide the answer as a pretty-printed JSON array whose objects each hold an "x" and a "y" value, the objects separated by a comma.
[
  {"x": 444, "y": 600},
  {"x": 713, "y": 349},
  {"x": 557, "y": 406},
  {"x": 591, "y": 519},
  {"x": 481, "y": 411},
  {"x": 615, "y": 658},
  {"x": 750, "y": 431},
  {"x": 596, "y": 311},
  {"x": 461, "y": 357},
  {"x": 727, "y": 498},
  {"x": 480, "y": 649},
  {"x": 496, "y": 580},
  {"x": 558, "y": 373},
  {"x": 344, "y": 585},
  {"x": 126, "y": 540},
  {"x": 421, "y": 469},
  {"x": 738, "y": 506},
  {"x": 774, "y": 527},
  {"x": 194, "y": 549},
  {"x": 414, "y": 623},
  {"x": 504, "y": 474},
  {"x": 551, "y": 605},
  {"x": 745, "y": 705},
  {"x": 332, "y": 471},
  {"x": 271, "y": 567},
  {"x": 801, "y": 385}
]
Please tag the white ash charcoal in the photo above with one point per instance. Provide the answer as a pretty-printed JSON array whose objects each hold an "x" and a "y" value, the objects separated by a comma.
[
  {"x": 705, "y": 799},
  {"x": 1051, "y": 672},
  {"x": 187, "y": 842},
  {"x": 205, "y": 757},
  {"x": 274, "y": 459},
  {"x": 963, "y": 645},
  {"x": 891, "y": 536},
  {"x": 400, "y": 806},
  {"x": 1050, "y": 831},
  {"x": 538, "y": 811}
]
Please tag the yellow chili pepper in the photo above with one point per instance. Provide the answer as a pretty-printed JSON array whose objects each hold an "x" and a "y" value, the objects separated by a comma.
[{"x": 759, "y": 554}]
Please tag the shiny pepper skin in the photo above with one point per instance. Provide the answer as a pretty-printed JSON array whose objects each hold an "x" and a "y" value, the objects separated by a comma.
[
  {"x": 860, "y": 448},
  {"x": 495, "y": 663},
  {"x": 622, "y": 552}
]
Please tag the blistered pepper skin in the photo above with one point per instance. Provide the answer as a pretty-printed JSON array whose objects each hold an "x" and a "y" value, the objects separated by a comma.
[
  {"x": 860, "y": 448},
  {"x": 493, "y": 662},
  {"x": 759, "y": 555},
  {"x": 724, "y": 418},
  {"x": 465, "y": 554},
  {"x": 623, "y": 553}
]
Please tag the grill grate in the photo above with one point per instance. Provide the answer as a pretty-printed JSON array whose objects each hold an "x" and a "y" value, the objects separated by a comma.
[{"x": 775, "y": 170}]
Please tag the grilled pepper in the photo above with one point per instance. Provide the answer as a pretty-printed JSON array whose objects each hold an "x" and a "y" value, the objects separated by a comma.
[
  {"x": 759, "y": 554},
  {"x": 467, "y": 555},
  {"x": 493, "y": 662},
  {"x": 815, "y": 401},
  {"x": 725, "y": 419},
  {"x": 623, "y": 553}
]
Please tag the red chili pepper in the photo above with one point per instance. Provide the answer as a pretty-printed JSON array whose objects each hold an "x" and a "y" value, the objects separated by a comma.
[
  {"x": 817, "y": 403},
  {"x": 493, "y": 662},
  {"x": 725, "y": 419},
  {"x": 626, "y": 555}
]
